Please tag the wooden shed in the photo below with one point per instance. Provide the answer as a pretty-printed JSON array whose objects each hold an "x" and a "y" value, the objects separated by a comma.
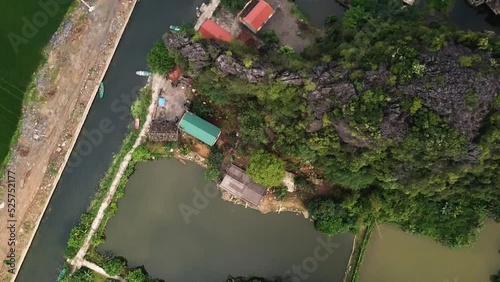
[{"x": 240, "y": 185}]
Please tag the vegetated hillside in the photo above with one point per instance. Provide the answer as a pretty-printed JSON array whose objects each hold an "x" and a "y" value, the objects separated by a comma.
[{"x": 397, "y": 108}]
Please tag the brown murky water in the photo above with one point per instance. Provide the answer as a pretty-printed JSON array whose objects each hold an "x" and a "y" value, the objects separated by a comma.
[{"x": 395, "y": 256}]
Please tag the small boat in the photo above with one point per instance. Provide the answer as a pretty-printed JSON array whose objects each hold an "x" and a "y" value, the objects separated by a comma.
[
  {"x": 143, "y": 73},
  {"x": 175, "y": 28},
  {"x": 137, "y": 123},
  {"x": 61, "y": 274},
  {"x": 101, "y": 90}
]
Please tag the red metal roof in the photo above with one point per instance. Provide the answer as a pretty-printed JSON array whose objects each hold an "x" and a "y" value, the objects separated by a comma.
[
  {"x": 209, "y": 29},
  {"x": 175, "y": 74},
  {"x": 259, "y": 15}
]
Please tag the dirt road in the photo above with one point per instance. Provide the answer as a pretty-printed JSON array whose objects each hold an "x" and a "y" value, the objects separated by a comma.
[{"x": 78, "y": 58}]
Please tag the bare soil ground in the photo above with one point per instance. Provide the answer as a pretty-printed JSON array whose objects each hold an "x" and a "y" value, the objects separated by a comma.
[
  {"x": 175, "y": 97},
  {"x": 286, "y": 26},
  {"x": 78, "y": 57},
  {"x": 292, "y": 204}
]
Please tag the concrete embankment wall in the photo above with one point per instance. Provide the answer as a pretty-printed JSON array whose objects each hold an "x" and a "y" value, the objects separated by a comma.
[{"x": 75, "y": 136}]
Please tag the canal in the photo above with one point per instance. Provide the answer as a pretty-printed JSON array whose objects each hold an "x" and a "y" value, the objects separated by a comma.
[
  {"x": 175, "y": 224},
  {"x": 79, "y": 183}
]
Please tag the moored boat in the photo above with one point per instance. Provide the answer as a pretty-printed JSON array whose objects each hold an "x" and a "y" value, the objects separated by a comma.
[
  {"x": 61, "y": 274},
  {"x": 175, "y": 28},
  {"x": 143, "y": 73},
  {"x": 137, "y": 123},
  {"x": 101, "y": 90}
]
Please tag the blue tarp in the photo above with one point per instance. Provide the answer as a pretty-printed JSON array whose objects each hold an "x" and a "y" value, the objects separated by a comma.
[{"x": 161, "y": 102}]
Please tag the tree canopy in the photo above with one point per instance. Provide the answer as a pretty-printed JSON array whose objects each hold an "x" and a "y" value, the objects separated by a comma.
[
  {"x": 266, "y": 169},
  {"x": 159, "y": 59}
]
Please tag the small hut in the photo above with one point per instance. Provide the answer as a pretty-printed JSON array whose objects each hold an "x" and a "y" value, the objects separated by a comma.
[
  {"x": 240, "y": 185},
  {"x": 163, "y": 131}
]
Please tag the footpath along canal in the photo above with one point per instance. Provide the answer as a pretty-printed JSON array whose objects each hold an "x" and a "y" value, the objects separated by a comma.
[{"x": 105, "y": 127}]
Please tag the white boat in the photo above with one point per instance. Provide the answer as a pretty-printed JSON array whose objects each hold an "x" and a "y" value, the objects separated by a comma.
[
  {"x": 143, "y": 73},
  {"x": 175, "y": 28}
]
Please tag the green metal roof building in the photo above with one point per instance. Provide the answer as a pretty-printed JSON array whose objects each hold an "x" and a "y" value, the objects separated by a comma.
[{"x": 199, "y": 128}]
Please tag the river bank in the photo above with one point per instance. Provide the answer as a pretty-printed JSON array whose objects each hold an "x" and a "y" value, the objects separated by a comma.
[{"x": 44, "y": 146}]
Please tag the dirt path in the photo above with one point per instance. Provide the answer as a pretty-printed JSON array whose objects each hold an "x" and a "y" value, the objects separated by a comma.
[
  {"x": 78, "y": 260},
  {"x": 65, "y": 87}
]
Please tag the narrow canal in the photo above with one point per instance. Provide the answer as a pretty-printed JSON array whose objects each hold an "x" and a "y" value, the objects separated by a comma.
[
  {"x": 79, "y": 183},
  {"x": 175, "y": 224}
]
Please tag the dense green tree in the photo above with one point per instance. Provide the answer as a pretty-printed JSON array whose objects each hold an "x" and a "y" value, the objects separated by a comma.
[
  {"x": 432, "y": 180},
  {"x": 265, "y": 168},
  {"x": 330, "y": 217},
  {"x": 214, "y": 161},
  {"x": 114, "y": 267},
  {"x": 159, "y": 59},
  {"x": 137, "y": 275}
]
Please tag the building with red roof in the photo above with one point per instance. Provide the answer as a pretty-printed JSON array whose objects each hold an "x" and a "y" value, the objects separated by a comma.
[
  {"x": 255, "y": 14},
  {"x": 210, "y": 30},
  {"x": 175, "y": 74}
]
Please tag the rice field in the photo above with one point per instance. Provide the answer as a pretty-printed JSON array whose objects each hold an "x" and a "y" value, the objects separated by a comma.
[{"x": 26, "y": 27}]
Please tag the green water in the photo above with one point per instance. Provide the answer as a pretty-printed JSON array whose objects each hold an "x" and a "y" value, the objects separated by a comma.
[
  {"x": 395, "y": 256},
  {"x": 25, "y": 29},
  {"x": 175, "y": 224}
]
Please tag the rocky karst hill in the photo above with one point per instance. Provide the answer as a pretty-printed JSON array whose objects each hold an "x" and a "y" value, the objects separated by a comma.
[{"x": 462, "y": 95}]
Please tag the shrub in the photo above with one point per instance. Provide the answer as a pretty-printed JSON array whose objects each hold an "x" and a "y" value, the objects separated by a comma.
[
  {"x": 270, "y": 37},
  {"x": 468, "y": 61},
  {"x": 136, "y": 275},
  {"x": 355, "y": 17},
  {"x": 114, "y": 267},
  {"x": 280, "y": 192},
  {"x": 233, "y": 5},
  {"x": 159, "y": 58},
  {"x": 330, "y": 218},
  {"x": 214, "y": 161},
  {"x": 439, "y": 5},
  {"x": 304, "y": 185}
]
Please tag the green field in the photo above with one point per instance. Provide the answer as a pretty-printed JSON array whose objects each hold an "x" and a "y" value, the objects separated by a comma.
[{"x": 25, "y": 29}]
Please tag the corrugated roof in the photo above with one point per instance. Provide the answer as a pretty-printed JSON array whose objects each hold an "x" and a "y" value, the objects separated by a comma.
[
  {"x": 199, "y": 128},
  {"x": 209, "y": 29},
  {"x": 259, "y": 15},
  {"x": 239, "y": 184}
]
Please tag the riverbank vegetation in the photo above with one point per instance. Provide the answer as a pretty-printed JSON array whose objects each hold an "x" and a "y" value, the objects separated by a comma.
[
  {"x": 112, "y": 265},
  {"x": 397, "y": 111}
]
